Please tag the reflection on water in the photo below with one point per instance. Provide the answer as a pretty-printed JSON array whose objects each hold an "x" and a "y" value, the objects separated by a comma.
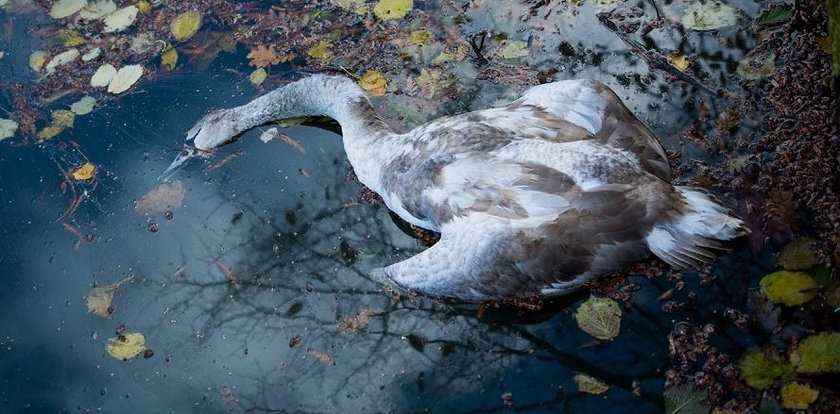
[{"x": 246, "y": 293}]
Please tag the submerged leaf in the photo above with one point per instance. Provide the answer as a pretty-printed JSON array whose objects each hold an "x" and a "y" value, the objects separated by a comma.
[
  {"x": 166, "y": 197},
  {"x": 798, "y": 254},
  {"x": 599, "y": 317},
  {"x": 756, "y": 65},
  {"x": 169, "y": 58},
  {"x": 777, "y": 13},
  {"x": 61, "y": 120},
  {"x": 8, "y": 128},
  {"x": 100, "y": 298},
  {"x": 817, "y": 354},
  {"x": 420, "y": 37},
  {"x": 103, "y": 76},
  {"x": 37, "y": 60},
  {"x": 65, "y": 8},
  {"x": 185, "y": 25},
  {"x": 590, "y": 384},
  {"x": 789, "y": 288},
  {"x": 264, "y": 56},
  {"x": 685, "y": 399},
  {"x": 120, "y": 19},
  {"x": 514, "y": 49},
  {"x": 83, "y": 106},
  {"x": 125, "y": 347},
  {"x": 258, "y": 76},
  {"x": 84, "y": 172},
  {"x": 321, "y": 50},
  {"x": 709, "y": 15},
  {"x": 125, "y": 78},
  {"x": 761, "y": 370},
  {"x": 392, "y": 9},
  {"x": 798, "y": 396},
  {"x": 679, "y": 61}
]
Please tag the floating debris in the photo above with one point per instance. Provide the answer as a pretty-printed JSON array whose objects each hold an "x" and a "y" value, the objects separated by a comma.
[
  {"x": 789, "y": 288},
  {"x": 83, "y": 106},
  {"x": 709, "y": 15},
  {"x": 61, "y": 120},
  {"x": 679, "y": 61},
  {"x": 84, "y": 172},
  {"x": 100, "y": 299},
  {"x": 166, "y": 197},
  {"x": 599, "y": 317},
  {"x": 127, "y": 346},
  {"x": 590, "y": 385}
]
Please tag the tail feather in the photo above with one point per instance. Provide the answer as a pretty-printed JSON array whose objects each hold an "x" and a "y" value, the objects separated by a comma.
[{"x": 697, "y": 236}]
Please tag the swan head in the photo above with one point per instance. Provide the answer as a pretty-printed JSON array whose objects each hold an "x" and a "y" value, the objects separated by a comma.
[{"x": 219, "y": 127}]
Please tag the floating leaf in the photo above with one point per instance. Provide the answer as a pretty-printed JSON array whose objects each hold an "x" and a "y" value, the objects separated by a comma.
[
  {"x": 798, "y": 396},
  {"x": 589, "y": 384},
  {"x": 103, "y": 76},
  {"x": 789, "y": 288},
  {"x": 69, "y": 38},
  {"x": 709, "y": 15},
  {"x": 320, "y": 356},
  {"x": 62, "y": 58},
  {"x": 120, "y": 19},
  {"x": 185, "y": 25},
  {"x": 37, "y": 60},
  {"x": 96, "y": 10},
  {"x": 420, "y": 37},
  {"x": 599, "y": 317},
  {"x": 356, "y": 5},
  {"x": 679, "y": 61},
  {"x": 84, "y": 172},
  {"x": 756, "y": 65},
  {"x": 514, "y": 49},
  {"x": 8, "y": 128},
  {"x": 798, "y": 254},
  {"x": 125, "y": 347},
  {"x": 374, "y": 82},
  {"x": 169, "y": 58},
  {"x": 166, "y": 197},
  {"x": 392, "y": 9},
  {"x": 777, "y": 13},
  {"x": 91, "y": 54},
  {"x": 61, "y": 120},
  {"x": 100, "y": 298},
  {"x": 258, "y": 76},
  {"x": 445, "y": 57},
  {"x": 321, "y": 50},
  {"x": 685, "y": 399},
  {"x": 125, "y": 78},
  {"x": 353, "y": 324},
  {"x": 761, "y": 370},
  {"x": 83, "y": 106},
  {"x": 144, "y": 6},
  {"x": 817, "y": 354},
  {"x": 433, "y": 81},
  {"x": 64, "y": 8},
  {"x": 264, "y": 56}
]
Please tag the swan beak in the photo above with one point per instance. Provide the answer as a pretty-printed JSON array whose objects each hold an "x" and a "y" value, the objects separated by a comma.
[{"x": 180, "y": 161}]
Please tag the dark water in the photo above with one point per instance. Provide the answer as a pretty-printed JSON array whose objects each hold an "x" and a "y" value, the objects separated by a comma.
[{"x": 225, "y": 347}]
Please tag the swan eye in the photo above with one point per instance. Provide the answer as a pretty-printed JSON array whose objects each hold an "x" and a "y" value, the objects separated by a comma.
[{"x": 185, "y": 152}]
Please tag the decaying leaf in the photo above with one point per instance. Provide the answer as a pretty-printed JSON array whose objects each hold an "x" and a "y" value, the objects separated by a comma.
[
  {"x": 103, "y": 76},
  {"x": 432, "y": 82},
  {"x": 127, "y": 346},
  {"x": 679, "y": 61},
  {"x": 798, "y": 396},
  {"x": 756, "y": 65},
  {"x": 353, "y": 324},
  {"x": 62, "y": 58},
  {"x": 761, "y": 370},
  {"x": 321, "y": 50},
  {"x": 185, "y": 25},
  {"x": 83, "y": 106},
  {"x": 357, "y": 6},
  {"x": 373, "y": 82},
  {"x": 167, "y": 196},
  {"x": 258, "y": 76},
  {"x": 100, "y": 298},
  {"x": 798, "y": 254},
  {"x": 392, "y": 9},
  {"x": 169, "y": 58},
  {"x": 320, "y": 356},
  {"x": 96, "y": 10},
  {"x": 120, "y": 19},
  {"x": 264, "y": 56},
  {"x": 514, "y": 49},
  {"x": 789, "y": 288},
  {"x": 685, "y": 399},
  {"x": 8, "y": 128},
  {"x": 61, "y": 120},
  {"x": 92, "y": 54},
  {"x": 69, "y": 38},
  {"x": 599, "y": 317},
  {"x": 709, "y": 15},
  {"x": 590, "y": 384},
  {"x": 125, "y": 78},
  {"x": 817, "y": 354},
  {"x": 84, "y": 172},
  {"x": 420, "y": 37},
  {"x": 65, "y": 8},
  {"x": 37, "y": 60}
]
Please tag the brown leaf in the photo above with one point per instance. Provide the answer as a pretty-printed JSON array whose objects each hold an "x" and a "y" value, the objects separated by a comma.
[
  {"x": 321, "y": 356},
  {"x": 353, "y": 324},
  {"x": 166, "y": 197},
  {"x": 264, "y": 56}
]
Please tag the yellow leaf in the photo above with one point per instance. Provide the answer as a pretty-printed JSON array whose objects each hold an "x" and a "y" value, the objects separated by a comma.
[
  {"x": 679, "y": 61},
  {"x": 374, "y": 82},
  {"x": 264, "y": 56},
  {"x": 798, "y": 254},
  {"x": 169, "y": 58},
  {"x": 392, "y": 9},
  {"x": 798, "y": 396},
  {"x": 69, "y": 37},
  {"x": 599, "y": 317},
  {"x": 258, "y": 76},
  {"x": 789, "y": 288},
  {"x": 321, "y": 50},
  {"x": 84, "y": 172},
  {"x": 185, "y": 25},
  {"x": 125, "y": 347},
  {"x": 99, "y": 299},
  {"x": 37, "y": 60},
  {"x": 61, "y": 120},
  {"x": 420, "y": 37},
  {"x": 144, "y": 6},
  {"x": 589, "y": 384}
]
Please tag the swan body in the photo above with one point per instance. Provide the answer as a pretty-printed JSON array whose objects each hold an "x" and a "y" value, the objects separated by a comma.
[{"x": 533, "y": 198}]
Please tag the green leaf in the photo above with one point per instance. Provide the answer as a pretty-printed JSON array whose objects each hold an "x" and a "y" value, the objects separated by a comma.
[
  {"x": 776, "y": 14},
  {"x": 798, "y": 254},
  {"x": 761, "y": 370},
  {"x": 599, "y": 317},
  {"x": 685, "y": 399},
  {"x": 817, "y": 354},
  {"x": 789, "y": 288}
]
